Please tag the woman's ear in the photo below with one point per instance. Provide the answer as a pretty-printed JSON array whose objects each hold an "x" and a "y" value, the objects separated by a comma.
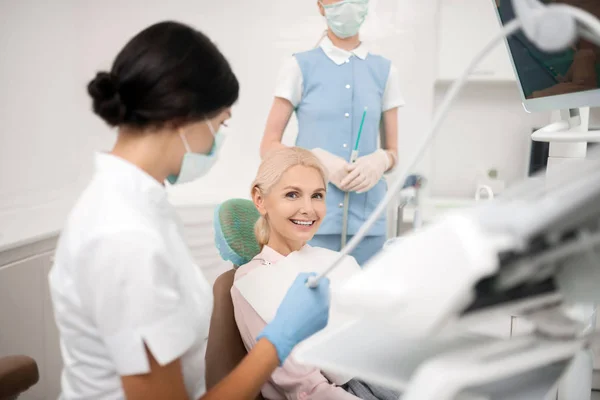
[
  {"x": 321, "y": 9},
  {"x": 259, "y": 201}
]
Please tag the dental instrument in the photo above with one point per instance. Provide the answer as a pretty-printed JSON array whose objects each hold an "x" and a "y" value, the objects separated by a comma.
[{"x": 353, "y": 158}]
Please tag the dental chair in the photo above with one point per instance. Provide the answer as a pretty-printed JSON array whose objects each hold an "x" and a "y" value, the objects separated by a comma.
[
  {"x": 234, "y": 237},
  {"x": 17, "y": 375}
]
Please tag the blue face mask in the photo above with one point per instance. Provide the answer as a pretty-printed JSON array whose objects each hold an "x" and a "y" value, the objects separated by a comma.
[
  {"x": 196, "y": 165},
  {"x": 346, "y": 17}
]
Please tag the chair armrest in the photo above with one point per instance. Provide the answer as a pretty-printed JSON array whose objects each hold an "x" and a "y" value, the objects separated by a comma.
[
  {"x": 17, "y": 374},
  {"x": 225, "y": 348}
]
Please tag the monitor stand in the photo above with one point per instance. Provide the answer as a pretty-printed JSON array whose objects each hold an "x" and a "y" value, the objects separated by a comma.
[{"x": 568, "y": 135}]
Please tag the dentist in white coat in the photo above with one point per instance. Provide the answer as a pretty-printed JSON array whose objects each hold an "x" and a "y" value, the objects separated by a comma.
[{"x": 131, "y": 306}]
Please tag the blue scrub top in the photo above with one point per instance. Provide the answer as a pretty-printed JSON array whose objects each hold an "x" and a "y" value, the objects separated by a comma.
[{"x": 329, "y": 114}]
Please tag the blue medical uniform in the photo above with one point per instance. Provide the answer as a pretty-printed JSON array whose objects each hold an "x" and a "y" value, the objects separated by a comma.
[{"x": 329, "y": 115}]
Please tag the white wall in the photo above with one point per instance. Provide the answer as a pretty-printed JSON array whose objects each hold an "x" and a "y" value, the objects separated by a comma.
[
  {"x": 255, "y": 36},
  {"x": 50, "y": 52},
  {"x": 414, "y": 52},
  {"x": 46, "y": 135},
  {"x": 486, "y": 128}
]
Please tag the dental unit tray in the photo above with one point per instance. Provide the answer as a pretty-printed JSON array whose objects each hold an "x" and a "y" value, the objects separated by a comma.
[
  {"x": 525, "y": 251},
  {"x": 528, "y": 253},
  {"x": 461, "y": 367}
]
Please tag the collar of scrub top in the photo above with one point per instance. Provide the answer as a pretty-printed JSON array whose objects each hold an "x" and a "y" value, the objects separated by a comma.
[
  {"x": 130, "y": 178},
  {"x": 340, "y": 56}
]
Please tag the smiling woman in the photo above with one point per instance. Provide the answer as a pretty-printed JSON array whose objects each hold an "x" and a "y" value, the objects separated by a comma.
[{"x": 289, "y": 192}]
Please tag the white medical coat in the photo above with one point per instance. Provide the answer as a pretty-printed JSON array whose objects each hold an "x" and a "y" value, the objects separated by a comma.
[{"x": 124, "y": 277}]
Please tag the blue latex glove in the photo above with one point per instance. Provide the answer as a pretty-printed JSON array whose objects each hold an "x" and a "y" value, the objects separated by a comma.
[{"x": 302, "y": 313}]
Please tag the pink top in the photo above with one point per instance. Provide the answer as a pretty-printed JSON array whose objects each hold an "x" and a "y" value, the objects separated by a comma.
[{"x": 291, "y": 381}]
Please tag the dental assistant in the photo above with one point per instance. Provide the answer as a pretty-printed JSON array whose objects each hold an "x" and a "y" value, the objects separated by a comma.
[
  {"x": 328, "y": 88},
  {"x": 131, "y": 306}
]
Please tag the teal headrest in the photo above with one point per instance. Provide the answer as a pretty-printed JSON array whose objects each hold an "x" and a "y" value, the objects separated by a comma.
[{"x": 234, "y": 231}]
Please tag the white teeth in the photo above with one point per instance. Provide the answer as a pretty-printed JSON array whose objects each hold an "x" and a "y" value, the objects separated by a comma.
[{"x": 304, "y": 223}]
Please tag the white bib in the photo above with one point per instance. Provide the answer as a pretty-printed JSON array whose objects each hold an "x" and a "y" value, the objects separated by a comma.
[{"x": 265, "y": 287}]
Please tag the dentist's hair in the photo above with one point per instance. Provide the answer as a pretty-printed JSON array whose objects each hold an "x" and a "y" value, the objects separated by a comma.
[
  {"x": 167, "y": 73},
  {"x": 270, "y": 171}
]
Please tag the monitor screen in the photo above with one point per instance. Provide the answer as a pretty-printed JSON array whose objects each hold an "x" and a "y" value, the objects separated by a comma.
[{"x": 549, "y": 81}]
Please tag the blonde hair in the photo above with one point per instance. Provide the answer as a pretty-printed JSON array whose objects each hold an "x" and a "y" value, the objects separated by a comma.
[{"x": 270, "y": 171}]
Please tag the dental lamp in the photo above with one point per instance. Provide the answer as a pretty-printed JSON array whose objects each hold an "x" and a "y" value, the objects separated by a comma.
[{"x": 530, "y": 253}]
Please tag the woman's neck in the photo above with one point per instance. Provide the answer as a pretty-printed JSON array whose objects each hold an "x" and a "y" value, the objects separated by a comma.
[
  {"x": 347, "y": 44},
  {"x": 284, "y": 246},
  {"x": 143, "y": 150}
]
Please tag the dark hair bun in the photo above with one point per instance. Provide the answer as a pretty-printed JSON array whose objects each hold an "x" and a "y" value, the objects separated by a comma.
[
  {"x": 167, "y": 73},
  {"x": 104, "y": 90}
]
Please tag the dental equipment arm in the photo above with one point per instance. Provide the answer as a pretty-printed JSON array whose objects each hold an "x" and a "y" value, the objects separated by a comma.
[
  {"x": 550, "y": 27},
  {"x": 510, "y": 28},
  {"x": 539, "y": 242},
  {"x": 529, "y": 253}
]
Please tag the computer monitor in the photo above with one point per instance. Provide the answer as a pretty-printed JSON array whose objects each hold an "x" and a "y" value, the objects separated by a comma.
[{"x": 554, "y": 81}]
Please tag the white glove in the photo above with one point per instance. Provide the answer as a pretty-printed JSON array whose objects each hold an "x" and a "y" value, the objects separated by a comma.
[
  {"x": 366, "y": 171},
  {"x": 337, "y": 168}
]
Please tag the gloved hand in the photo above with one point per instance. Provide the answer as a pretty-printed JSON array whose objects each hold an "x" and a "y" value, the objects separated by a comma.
[
  {"x": 365, "y": 172},
  {"x": 302, "y": 313},
  {"x": 337, "y": 168}
]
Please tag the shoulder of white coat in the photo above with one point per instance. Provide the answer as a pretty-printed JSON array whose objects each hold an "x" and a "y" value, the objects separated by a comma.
[
  {"x": 288, "y": 68},
  {"x": 110, "y": 240},
  {"x": 112, "y": 217},
  {"x": 290, "y": 63},
  {"x": 383, "y": 65}
]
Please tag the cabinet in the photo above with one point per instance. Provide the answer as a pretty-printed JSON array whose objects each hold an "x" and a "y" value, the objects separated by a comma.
[
  {"x": 27, "y": 320},
  {"x": 465, "y": 27}
]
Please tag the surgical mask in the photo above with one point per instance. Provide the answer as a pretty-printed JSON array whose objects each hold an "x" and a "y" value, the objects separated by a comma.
[
  {"x": 346, "y": 17},
  {"x": 196, "y": 165}
]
